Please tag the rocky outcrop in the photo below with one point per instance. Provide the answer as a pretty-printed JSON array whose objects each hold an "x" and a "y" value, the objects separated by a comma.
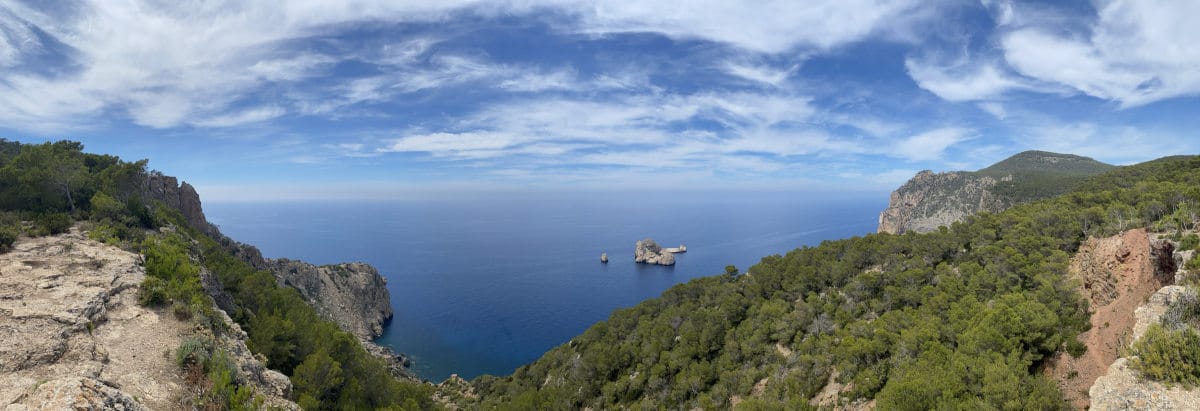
[
  {"x": 648, "y": 252},
  {"x": 353, "y": 295},
  {"x": 72, "y": 335},
  {"x": 1115, "y": 274},
  {"x": 1123, "y": 388},
  {"x": 930, "y": 200},
  {"x": 182, "y": 197}
]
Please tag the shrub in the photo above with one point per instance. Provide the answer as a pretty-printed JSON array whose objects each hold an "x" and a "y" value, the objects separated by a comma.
[
  {"x": 8, "y": 236},
  {"x": 1189, "y": 242},
  {"x": 194, "y": 351},
  {"x": 153, "y": 292},
  {"x": 1169, "y": 356},
  {"x": 106, "y": 208},
  {"x": 52, "y": 223}
]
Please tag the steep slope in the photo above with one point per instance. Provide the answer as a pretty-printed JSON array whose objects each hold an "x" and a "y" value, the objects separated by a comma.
[
  {"x": 353, "y": 295},
  {"x": 930, "y": 200},
  {"x": 72, "y": 335},
  {"x": 1115, "y": 274}
]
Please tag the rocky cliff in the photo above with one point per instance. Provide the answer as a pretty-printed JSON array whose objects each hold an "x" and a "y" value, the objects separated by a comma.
[
  {"x": 353, "y": 295},
  {"x": 72, "y": 335},
  {"x": 649, "y": 252},
  {"x": 930, "y": 200}
]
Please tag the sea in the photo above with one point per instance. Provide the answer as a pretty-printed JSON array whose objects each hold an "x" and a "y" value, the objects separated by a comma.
[{"x": 482, "y": 284}]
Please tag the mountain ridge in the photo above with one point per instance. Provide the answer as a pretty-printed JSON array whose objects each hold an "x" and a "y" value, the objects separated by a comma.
[{"x": 930, "y": 200}]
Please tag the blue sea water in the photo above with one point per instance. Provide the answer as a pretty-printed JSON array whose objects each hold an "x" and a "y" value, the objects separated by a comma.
[{"x": 485, "y": 284}]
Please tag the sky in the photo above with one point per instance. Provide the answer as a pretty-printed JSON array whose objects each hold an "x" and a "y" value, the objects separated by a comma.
[{"x": 382, "y": 99}]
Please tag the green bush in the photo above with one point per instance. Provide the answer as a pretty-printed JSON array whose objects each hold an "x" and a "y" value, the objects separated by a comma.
[
  {"x": 8, "y": 236},
  {"x": 1189, "y": 242},
  {"x": 1169, "y": 356},
  {"x": 194, "y": 350},
  {"x": 106, "y": 208},
  {"x": 52, "y": 223}
]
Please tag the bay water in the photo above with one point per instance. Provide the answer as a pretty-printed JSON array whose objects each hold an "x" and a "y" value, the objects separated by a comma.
[{"x": 482, "y": 284}]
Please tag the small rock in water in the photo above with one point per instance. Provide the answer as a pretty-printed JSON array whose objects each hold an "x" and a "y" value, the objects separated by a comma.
[{"x": 604, "y": 258}]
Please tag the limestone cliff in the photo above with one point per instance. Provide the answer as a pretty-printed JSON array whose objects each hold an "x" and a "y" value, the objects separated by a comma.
[
  {"x": 353, "y": 295},
  {"x": 930, "y": 200},
  {"x": 72, "y": 335}
]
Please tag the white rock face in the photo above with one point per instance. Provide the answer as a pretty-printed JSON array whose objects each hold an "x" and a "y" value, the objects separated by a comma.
[{"x": 648, "y": 252}]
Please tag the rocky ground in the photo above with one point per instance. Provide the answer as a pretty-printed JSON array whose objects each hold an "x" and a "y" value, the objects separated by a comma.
[{"x": 72, "y": 335}]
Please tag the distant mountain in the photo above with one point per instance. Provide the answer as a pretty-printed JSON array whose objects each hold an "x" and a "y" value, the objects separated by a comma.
[{"x": 930, "y": 200}]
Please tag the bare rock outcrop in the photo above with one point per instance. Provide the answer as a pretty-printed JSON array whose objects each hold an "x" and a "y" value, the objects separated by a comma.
[
  {"x": 648, "y": 252},
  {"x": 182, "y": 197},
  {"x": 72, "y": 335},
  {"x": 1116, "y": 274},
  {"x": 1123, "y": 388},
  {"x": 930, "y": 200},
  {"x": 353, "y": 295}
]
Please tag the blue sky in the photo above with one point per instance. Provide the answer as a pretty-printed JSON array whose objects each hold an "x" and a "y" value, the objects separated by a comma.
[{"x": 380, "y": 99}]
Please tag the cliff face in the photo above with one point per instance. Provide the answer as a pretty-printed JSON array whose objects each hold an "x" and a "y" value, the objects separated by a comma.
[
  {"x": 930, "y": 200},
  {"x": 182, "y": 197},
  {"x": 353, "y": 295},
  {"x": 72, "y": 335}
]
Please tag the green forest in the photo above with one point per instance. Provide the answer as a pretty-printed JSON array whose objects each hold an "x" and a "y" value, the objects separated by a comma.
[{"x": 961, "y": 318}]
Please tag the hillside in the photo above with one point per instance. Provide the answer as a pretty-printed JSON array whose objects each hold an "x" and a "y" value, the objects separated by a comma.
[
  {"x": 965, "y": 318},
  {"x": 211, "y": 284},
  {"x": 931, "y": 200}
]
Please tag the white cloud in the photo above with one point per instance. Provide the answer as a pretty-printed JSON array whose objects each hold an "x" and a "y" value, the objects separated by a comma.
[
  {"x": 931, "y": 144},
  {"x": 760, "y": 73},
  {"x": 771, "y": 26},
  {"x": 995, "y": 109},
  {"x": 962, "y": 80},
  {"x": 254, "y": 115},
  {"x": 1136, "y": 52},
  {"x": 1113, "y": 144},
  {"x": 162, "y": 63}
]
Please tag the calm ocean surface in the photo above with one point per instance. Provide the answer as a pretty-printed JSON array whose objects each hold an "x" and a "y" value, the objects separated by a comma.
[{"x": 483, "y": 285}]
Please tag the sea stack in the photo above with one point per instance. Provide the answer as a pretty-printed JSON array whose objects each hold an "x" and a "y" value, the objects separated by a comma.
[
  {"x": 604, "y": 258},
  {"x": 648, "y": 252}
]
